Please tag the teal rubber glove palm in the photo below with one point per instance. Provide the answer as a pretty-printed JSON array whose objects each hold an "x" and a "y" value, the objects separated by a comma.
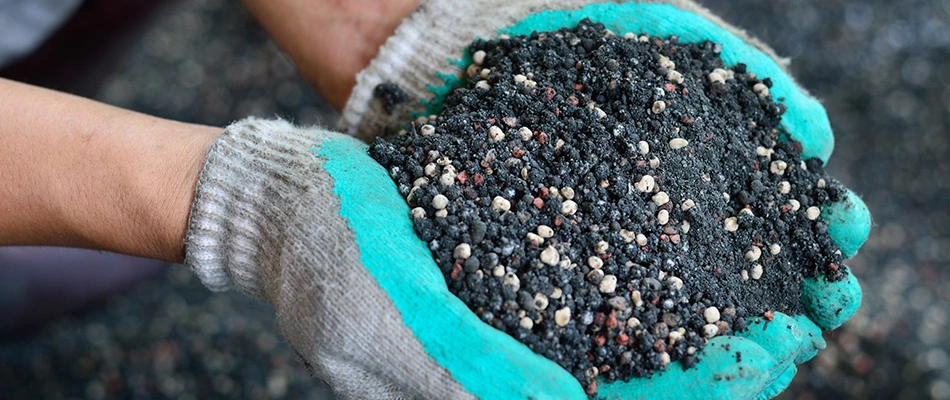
[
  {"x": 303, "y": 219},
  {"x": 427, "y": 55}
]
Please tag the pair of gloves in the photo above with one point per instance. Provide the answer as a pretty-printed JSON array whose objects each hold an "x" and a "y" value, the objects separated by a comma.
[{"x": 303, "y": 219}]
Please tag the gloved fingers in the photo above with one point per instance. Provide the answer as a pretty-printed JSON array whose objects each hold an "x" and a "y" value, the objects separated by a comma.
[
  {"x": 787, "y": 339},
  {"x": 829, "y": 304},
  {"x": 414, "y": 59},
  {"x": 486, "y": 362},
  {"x": 784, "y": 337},
  {"x": 780, "y": 383},
  {"x": 806, "y": 119},
  {"x": 732, "y": 367},
  {"x": 814, "y": 341},
  {"x": 849, "y": 223}
]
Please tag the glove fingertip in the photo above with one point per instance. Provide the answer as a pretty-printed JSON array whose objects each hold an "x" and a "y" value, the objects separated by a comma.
[
  {"x": 781, "y": 337},
  {"x": 849, "y": 223},
  {"x": 812, "y": 335},
  {"x": 830, "y": 304},
  {"x": 780, "y": 384},
  {"x": 732, "y": 367}
]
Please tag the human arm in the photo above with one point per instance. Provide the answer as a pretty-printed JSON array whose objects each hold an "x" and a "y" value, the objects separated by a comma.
[
  {"x": 330, "y": 41},
  {"x": 75, "y": 172}
]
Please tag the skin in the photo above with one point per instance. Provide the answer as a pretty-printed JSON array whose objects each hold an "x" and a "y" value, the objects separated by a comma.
[
  {"x": 330, "y": 41},
  {"x": 78, "y": 173}
]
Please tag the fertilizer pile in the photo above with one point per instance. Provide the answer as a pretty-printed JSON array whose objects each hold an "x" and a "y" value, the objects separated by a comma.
[{"x": 614, "y": 201}]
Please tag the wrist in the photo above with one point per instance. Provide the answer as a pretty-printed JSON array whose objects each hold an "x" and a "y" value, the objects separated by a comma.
[
  {"x": 138, "y": 203},
  {"x": 163, "y": 188},
  {"x": 330, "y": 42}
]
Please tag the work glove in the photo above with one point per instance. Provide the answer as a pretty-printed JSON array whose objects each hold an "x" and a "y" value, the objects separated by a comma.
[
  {"x": 305, "y": 220},
  {"x": 428, "y": 56}
]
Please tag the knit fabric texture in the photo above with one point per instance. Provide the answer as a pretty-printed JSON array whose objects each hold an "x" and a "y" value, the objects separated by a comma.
[{"x": 265, "y": 221}]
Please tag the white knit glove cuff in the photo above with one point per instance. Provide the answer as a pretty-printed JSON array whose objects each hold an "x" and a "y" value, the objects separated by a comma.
[
  {"x": 252, "y": 175},
  {"x": 441, "y": 30}
]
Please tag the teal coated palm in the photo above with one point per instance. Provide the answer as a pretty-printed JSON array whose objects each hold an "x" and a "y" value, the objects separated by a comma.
[{"x": 758, "y": 362}]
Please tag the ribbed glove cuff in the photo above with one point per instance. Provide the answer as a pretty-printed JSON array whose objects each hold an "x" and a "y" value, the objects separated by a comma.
[{"x": 252, "y": 175}]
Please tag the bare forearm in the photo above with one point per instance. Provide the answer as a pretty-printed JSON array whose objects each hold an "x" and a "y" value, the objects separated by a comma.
[
  {"x": 74, "y": 172},
  {"x": 330, "y": 41}
]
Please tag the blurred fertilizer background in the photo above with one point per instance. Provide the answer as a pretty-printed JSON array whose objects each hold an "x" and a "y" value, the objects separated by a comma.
[{"x": 879, "y": 66}]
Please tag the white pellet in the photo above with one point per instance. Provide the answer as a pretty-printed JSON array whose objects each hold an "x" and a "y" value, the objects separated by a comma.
[
  {"x": 498, "y": 271},
  {"x": 534, "y": 239},
  {"x": 784, "y": 187},
  {"x": 545, "y": 231},
  {"x": 663, "y": 217},
  {"x": 540, "y": 301},
  {"x": 711, "y": 315},
  {"x": 627, "y": 236},
  {"x": 526, "y": 323},
  {"x": 796, "y": 205},
  {"x": 562, "y": 316},
  {"x": 550, "y": 256},
  {"x": 463, "y": 251},
  {"x": 646, "y": 184},
  {"x": 512, "y": 281},
  {"x": 568, "y": 193},
  {"x": 675, "y": 282},
  {"x": 569, "y": 207},
  {"x": 689, "y": 203},
  {"x": 753, "y": 254},
  {"x": 431, "y": 169},
  {"x": 731, "y": 224},
  {"x": 525, "y": 134},
  {"x": 778, "y": 167},
  {"x": 608, "y": 284},
  {"x": 641, "y": 239},
  {"x": 418, "y": 213},
  {"x": 496, "y": 134},
  {"x": 478, "y": 57},
  {"x": 595, "y": 262},
  {"x": 775, "y": 248},
  {"x": 678, "y": 143},
  {"x": 643, "y": 146},
  {"x": 500, "y": 204},
  {"x": 674, "y": 76},
  {"x": 439, "y": 202},
  {"x": 756, "y": 271}
]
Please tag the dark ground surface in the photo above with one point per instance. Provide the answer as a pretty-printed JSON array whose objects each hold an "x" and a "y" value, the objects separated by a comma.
[{"x": 879, "y": 67}]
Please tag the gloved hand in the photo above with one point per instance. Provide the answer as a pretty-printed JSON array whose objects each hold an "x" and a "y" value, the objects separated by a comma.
[
  {"x": 428, "y": 53},
  {"x": 304, "y": 220}
]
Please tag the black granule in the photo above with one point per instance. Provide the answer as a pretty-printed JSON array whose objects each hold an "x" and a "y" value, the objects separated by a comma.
[
  {"x": 390, "y": 94},
  {"x": 573, "y": 107}
]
